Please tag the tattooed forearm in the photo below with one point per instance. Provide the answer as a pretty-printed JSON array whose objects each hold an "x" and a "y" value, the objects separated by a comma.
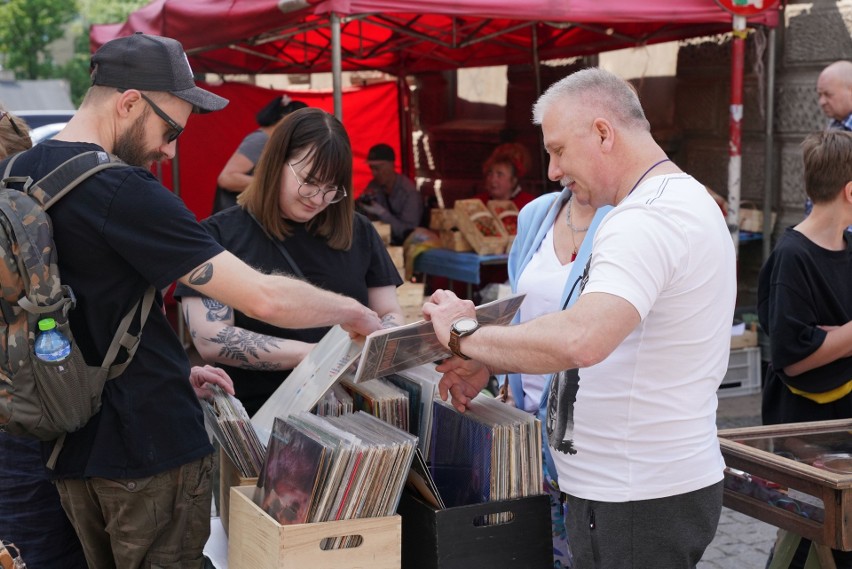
[
  {"x": 216, "y": 311},
  {"x": 201, "y": 275},
  {"x": 390, "y": 321},
  {"x": 247, "y": 348}
]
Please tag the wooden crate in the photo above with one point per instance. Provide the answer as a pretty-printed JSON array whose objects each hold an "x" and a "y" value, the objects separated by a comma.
[
  {"x": 483, "y": 231},
  {"x": 507, "y": 212},
  {"x": 257, "y": 541},
  {"x": 229, "y": 476},
  {"x": 440, "y": 218},
  {"x": 454, "y": 240},
  {"x": 780, "y": 474}
]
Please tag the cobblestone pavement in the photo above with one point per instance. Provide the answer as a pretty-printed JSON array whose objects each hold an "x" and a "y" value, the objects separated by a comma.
[{"x": 741, "y": 542}]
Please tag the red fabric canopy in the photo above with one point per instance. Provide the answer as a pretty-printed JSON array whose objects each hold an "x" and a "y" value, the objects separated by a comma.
[{"x": 397, "y": 36}]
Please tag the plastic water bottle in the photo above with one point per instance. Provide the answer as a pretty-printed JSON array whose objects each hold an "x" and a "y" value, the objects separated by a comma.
[{"x": 51, "y": 345}]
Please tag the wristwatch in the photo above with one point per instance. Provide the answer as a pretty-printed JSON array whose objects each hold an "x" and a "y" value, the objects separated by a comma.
[{"x": 461, "y": 328}]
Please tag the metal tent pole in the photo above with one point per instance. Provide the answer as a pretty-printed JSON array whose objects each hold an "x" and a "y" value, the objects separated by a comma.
[
  {"x": 769, "y": 147},
  {"x": 336, "y": 66}
]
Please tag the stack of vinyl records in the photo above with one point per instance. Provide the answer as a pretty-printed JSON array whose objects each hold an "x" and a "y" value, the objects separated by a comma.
[
  {"x": 491, "y": 452},
  {"x": 333, "y": 468},
  {"x": 335, "y": 402},
  {"x": 226, "y": 419},
  {"x": 421, "y": 384},
  {"x": 382, "y": 399}
]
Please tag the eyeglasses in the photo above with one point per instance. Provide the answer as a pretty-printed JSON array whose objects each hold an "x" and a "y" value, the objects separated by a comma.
[
  {"x": 176, "y": 129},
  {"x": 331, "y": 194},
  {"x": 15, "y": 127}
]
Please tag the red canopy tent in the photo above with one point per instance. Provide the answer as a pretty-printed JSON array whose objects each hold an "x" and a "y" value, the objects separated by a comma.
[
  {"x": 404, "y": 37},
  {"x": 401, "y": 36}
]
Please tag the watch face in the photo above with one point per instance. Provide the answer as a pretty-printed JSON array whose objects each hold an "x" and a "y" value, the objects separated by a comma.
[{"x": 465, "y": 325}]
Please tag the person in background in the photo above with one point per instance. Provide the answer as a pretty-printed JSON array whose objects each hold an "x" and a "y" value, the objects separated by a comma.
[
  {"x": 239, "y": 169},
  {"x": 546, "y": 261},
  {"x": 834, "y": 89},
  {"x": 631, "y": 416},
  {"x": 117, "y": 234},
  {"x": 804, "y": 302},
  {"x": 503, "y": 171},
  {"x": 390, "y": 196},
  {"x": 296, "y": 218}
]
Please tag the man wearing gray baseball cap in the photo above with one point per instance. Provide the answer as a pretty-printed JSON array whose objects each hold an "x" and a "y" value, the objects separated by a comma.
[{"x": 135, "y": 479}]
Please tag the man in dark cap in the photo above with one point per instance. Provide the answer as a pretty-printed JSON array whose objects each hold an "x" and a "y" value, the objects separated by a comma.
[
  {"x": 135, "y": 480},
  {"x": 390, "y": 197}
]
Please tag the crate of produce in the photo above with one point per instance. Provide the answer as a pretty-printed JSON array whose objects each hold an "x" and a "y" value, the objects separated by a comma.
[
  {"x": 257, "y": 541},
  {"x": 507, "y": 212},
  {"x": 480, "y": 227},
  {"x": 743, "y": 375}
]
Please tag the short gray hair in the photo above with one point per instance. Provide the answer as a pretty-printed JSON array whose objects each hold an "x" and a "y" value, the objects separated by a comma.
[{"x": 601, "y": 87}]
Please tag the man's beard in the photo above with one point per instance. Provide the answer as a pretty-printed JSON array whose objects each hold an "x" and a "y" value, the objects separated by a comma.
[{"x": 130, "y": 146}]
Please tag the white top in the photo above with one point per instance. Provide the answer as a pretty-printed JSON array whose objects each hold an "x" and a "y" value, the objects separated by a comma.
[
  {"x": 644, "y": 419},
  {"x": 543, "y": 281}
]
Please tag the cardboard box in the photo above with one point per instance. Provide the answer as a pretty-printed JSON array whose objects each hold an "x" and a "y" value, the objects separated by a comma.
[
  {"x": 257, "y": 541},
  {"x": 384, "y": 231},
  {"x": 229, "y": 476},
  {"x": 747, "y": 339},
  {"x": 440, "y": 218},
  {"x": 454, "y": 240},
  {"x": 483, "y": 231},
  {"x": 451, "y": 538}
]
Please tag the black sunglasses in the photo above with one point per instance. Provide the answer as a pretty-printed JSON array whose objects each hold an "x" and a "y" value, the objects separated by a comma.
[
  {"x": 15, "y": 127},
  {"x": 176, "y": 129}
]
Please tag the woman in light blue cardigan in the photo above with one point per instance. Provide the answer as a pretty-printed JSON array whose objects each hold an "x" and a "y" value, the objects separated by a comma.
[{"x": 534, "y": 223}]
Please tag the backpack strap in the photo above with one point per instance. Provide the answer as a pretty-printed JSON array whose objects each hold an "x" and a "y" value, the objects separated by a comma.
[
  {"x": 123, "y": 339},
  {"x": 68, "y": 175}
]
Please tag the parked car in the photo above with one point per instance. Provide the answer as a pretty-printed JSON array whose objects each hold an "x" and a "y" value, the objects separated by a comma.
[
  {"x": 36, "y": 119},
  {"x": 46, "y": 131}
]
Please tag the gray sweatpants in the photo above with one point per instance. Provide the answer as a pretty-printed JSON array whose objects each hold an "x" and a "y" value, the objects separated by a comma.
[{"x": 664, "y": 533}]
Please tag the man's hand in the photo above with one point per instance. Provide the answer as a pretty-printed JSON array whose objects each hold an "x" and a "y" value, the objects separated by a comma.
[
  {"x": 444, "y": 308},
  {"x": 463, "y": 380},
  {"x": 201, "y": 377},
  {"x": 363, "y": 323},
  {"x": 373, "y": 209}
]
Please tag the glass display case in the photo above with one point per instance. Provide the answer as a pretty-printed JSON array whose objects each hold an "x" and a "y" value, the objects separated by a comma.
[{"x": 797, "y": 477}]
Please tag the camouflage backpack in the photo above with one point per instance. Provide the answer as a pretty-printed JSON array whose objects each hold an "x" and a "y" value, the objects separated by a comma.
[{"x": 44, "y": 399}]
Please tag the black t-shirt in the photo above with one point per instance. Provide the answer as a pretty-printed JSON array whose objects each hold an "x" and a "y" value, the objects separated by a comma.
[
  {"x": 801, "y": 287},
  {"x": 365, "y": 265},
  {"x": 117, "y": 233}
]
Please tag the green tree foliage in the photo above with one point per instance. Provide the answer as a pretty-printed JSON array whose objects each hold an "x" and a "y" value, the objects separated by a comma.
[
  {"x": 27, "y": 27},
  {"x": 76, "y": 70}
]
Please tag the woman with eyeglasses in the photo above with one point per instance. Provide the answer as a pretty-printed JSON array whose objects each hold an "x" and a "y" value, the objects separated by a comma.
[{"x": 296, "y": 217}]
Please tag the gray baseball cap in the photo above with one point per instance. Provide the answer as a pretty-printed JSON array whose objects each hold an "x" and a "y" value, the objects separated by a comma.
[{"x": 151, "y": 63}]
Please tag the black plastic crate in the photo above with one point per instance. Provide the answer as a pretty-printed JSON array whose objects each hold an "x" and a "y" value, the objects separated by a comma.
[{"x": 453, "y": 539}]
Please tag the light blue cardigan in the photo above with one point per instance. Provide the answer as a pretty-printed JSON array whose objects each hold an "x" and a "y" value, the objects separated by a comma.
[{"x": 534, "y": 222}]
